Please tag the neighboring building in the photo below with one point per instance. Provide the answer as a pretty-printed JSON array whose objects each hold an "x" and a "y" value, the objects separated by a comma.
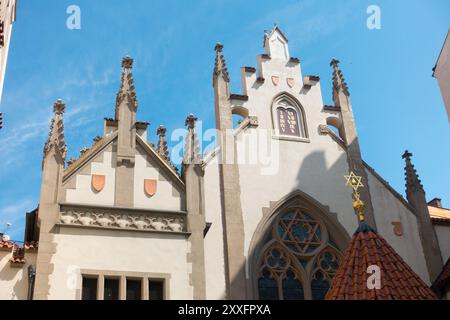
[
  {"x": 442, "y": 284},
  {"x": 121, "y": 222},
  {"x": 7, "y": 18},
  {"x": 441, "y": 72}
]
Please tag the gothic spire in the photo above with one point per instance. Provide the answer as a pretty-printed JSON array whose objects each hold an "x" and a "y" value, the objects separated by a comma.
[
  {"x": 220, "y": 66},
  {"x": 191, "y": 149},
  {"x": 416, "y": 197},
  {"x": 56, "y": 134},
  {"x": 127, "y": 89},
  {"x": 338, "y": 78},
  {"x": 162, "y": 148},
  {"x": 413, "y": 182}
]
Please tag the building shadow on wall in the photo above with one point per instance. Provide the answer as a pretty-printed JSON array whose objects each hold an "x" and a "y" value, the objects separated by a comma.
[{"x": 317, "y": 178}]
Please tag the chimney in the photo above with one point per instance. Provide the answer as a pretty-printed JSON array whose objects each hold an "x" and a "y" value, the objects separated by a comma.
[{"x": 436, "y": 202}]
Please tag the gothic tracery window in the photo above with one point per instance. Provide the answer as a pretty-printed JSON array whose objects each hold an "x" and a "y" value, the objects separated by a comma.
[
  {"x": 299, "y": 260},
  {"x": 288, "y": 118}
]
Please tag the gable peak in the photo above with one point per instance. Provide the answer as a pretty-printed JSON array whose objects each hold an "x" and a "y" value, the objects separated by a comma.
[{"x": 276, "y": 44}]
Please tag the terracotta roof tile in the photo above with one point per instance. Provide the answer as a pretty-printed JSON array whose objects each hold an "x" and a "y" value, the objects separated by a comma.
[
  {"x": 6, "y": 244},
  {"x": 11, "y": 244},
  {"x": 17, "y": 260},
  {"x": 398, "y": 280}
]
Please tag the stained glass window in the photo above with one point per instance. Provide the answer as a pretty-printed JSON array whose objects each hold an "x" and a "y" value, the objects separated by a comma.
[{"x": 299, "y": 260}]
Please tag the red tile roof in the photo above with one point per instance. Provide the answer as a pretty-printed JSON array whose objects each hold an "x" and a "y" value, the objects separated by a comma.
[
  {"x": 6, "y": 244},
  {"x": 27, "y": 245},
  {"x": 398, "y": 280},
  {"x": 17, "y": 260}
]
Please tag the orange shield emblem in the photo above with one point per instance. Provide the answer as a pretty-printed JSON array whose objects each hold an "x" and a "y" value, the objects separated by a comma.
[
  {"x": 150, "y": 187},
  {"x": 98, "y": 182},
  {"x": 275, "y": 80},
  {"x": 290, "y": 82}
]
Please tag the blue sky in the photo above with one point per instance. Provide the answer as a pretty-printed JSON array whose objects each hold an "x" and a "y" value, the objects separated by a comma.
[{"x": 397, "y": 104}]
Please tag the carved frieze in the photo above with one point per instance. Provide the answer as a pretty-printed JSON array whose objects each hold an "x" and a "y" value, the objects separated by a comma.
[{"x": 122, "y": 219}]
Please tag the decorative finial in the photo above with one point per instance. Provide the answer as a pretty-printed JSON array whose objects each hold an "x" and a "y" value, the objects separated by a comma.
[
  {"x": 127, "y": 89},
  {"x": 190, "y": 121},
  {"x": 97, "y": 139},
  {"x": 59, "y": 107},
  {"x": 127, "y": 62},
  {"x": 334, "y": 62},
  {"x": 162, "y": 148},
  {"x": 71, "y": 161},
  {"x": 354, "y": 182},
  {"x": 220, "y": 66},
  {"x": 407, "y": 155},
  {"x": 161, "y": 131},
  {"x": 191, "y": 148},
  {"x": 84, "y": 150},
  {"x": 338, "y": 78},
  {"x": 413, "y": 182},
  {"x": 56, "y": 133},
  {"x": 218, "y": 47}
]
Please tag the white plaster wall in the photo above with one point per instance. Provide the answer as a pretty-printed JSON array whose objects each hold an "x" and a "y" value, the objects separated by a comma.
[
  {"x": 14, "y": 281},
  {"x": 387, "y": 208},
  {"x": 316, "y": 167},
  {"x": 84, "y": 194},
  {"x": 167, "y": 197},
  {"x": 119, "y": 251},
  {"x": 443, "y": 234},
  {"x": 214, "y": 255}
]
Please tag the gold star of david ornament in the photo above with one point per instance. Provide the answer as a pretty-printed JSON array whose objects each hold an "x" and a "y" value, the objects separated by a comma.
[{"x": 354, "y": 182}]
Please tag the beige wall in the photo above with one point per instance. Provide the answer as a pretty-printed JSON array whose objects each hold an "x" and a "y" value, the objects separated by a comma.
[
  {"x": 118, "y": 251},
  {"x": 214, "y": 254},
  {"x": 443, "y": 234},
  {"x": 388, "y": 209},
  {"x": 83, "y": 192},
  {"x": 14, "y": 280},
  {"x": 167, "y": 196}
]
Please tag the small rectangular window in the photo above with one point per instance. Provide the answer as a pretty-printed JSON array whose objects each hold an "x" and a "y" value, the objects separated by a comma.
[
  {"x": 111, "y": 291},
  {"x": 134, "y": 289},
  {"x": 156, "y": 289},
  {"x": 89, "y": 289}
]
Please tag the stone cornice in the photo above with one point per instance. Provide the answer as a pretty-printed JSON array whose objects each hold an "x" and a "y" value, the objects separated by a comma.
[
  {"x": 240, "y": 97},
  {"x": 118, "y": 218}
]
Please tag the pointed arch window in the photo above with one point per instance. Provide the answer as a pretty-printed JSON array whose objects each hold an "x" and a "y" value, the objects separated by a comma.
[
  {"x": 288, "y": 119},
  {"x": 298, "y": 260}
]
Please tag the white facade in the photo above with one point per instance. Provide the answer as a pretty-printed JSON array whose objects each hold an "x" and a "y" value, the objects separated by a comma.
[{"x": 171, "y": 227}]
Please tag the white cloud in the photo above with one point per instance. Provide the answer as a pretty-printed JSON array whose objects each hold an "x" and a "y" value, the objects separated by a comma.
[{"x": 32, "y": 127}]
